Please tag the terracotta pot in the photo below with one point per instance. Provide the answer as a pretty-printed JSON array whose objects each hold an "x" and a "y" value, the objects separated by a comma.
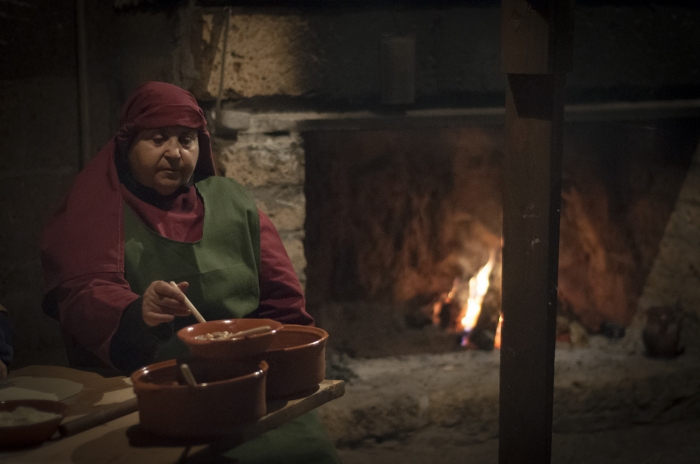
[
  {"x": 231, "y": 349},
  {"x": 227, "y": 396},
  {"x": 297, "y": 360},
  {"x": 31, "y": 434}
]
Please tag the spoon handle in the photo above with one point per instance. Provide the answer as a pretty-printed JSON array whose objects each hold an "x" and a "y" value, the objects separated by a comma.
[
  {"x": 253, "y": 331},
  {"x": 187, "y": 374},
  {"x": 190, "y": 306}
]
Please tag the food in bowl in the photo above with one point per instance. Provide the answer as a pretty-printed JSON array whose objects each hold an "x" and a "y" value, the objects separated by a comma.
[
  {"x": 225, "y": 397},
  {"x": 25, "y": 415},
  {"x": 31, "y": 421},
  {"x": 232, "y": 348},
  {"x": 226, "y": 335}
]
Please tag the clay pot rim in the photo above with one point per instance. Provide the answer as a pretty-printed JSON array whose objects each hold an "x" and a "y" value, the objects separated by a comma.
[
  {"x": 140, "y": 385},
  {"x": 301, "y": 328},
  {"x": 190, "y": 340}
]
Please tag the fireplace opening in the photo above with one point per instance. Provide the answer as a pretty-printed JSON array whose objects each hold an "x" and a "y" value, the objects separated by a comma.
[{"x": 403, "y": 231}]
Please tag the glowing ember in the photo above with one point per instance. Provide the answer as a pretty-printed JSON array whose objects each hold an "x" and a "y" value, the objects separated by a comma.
[
  {"x": 445, "y": 299},
  {"x": 497, "y": 338}
]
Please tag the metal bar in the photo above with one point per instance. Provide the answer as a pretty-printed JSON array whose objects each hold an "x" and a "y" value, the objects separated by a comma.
[{"x": 452, "y": 117}]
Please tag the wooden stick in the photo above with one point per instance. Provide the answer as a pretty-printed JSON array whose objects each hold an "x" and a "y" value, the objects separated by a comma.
[
  {"x": 187, "y": 374},
  {"x": 253, "y": 331},
  {"x": 94, "y": 419},
  {"x": 189, "y": 304}
]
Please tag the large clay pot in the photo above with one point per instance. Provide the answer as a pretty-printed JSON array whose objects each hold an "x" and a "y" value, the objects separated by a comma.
[
  {"x": 297, "y": 360},
  {"x": 227, "y": 396}
]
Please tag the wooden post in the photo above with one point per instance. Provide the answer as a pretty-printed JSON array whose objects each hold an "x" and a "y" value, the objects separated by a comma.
[{"x": 536, "y": 53}]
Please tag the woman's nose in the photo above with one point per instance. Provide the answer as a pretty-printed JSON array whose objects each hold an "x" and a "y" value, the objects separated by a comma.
[{"x": 172, "y": 149}]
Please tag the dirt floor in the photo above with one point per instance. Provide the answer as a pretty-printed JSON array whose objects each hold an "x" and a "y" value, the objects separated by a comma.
[{"x": 676, "y": 443}]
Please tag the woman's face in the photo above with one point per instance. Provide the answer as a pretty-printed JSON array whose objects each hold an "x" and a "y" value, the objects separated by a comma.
[{"x": 164, "y": 158}]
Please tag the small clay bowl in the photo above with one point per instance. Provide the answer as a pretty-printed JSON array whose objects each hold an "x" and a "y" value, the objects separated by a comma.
[
  {"x": 226, "y": 397},
  {"x": 297, "y": 360},
  {"x": 230, "y": 349},
  {"x": 18, "y": 436}
]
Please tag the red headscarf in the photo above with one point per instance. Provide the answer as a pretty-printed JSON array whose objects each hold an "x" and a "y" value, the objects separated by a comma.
[{"x": 86, "y": 235}]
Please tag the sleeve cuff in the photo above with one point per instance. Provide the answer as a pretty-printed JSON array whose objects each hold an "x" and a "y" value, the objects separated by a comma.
[{"x": 134, "y": 344}]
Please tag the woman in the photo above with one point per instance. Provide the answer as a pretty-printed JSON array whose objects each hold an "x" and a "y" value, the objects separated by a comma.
[{"x": 149, "y": 210}]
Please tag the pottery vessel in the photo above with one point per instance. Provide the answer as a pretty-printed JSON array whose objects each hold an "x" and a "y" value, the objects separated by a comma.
[
  {"x": 231, "y": 349},
  {"x": 31, "y": 434},
  {"x": 297, "y": 360},
  {"x": 227, "y": 396}
]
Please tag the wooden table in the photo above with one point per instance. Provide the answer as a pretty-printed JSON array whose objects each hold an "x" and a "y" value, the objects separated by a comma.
[{"x": 110, "y": 442}]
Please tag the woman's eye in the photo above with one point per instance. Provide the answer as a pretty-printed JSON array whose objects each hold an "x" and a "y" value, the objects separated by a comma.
[{"x": 158, "y": 139}]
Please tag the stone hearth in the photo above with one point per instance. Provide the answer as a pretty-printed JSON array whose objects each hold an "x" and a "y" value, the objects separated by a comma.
[{"x": 451, "y": 399}]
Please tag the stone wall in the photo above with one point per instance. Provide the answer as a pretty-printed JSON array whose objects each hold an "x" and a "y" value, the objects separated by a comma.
[
  {"x": 271, "y": 167},
  {"x": 675, "y": 275},
  {"x": 330, "y": 57}
]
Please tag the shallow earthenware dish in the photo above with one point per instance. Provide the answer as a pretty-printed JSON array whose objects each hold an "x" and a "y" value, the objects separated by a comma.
[
  {"x": 35, "y": 433},
  {"x": 229, "y": 349},
  {"x": 227, "y": 396},
  {"x": 297, "y": 360}
]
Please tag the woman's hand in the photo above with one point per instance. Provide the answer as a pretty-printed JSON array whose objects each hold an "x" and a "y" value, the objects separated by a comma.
[{"x": 162, "y": 302}]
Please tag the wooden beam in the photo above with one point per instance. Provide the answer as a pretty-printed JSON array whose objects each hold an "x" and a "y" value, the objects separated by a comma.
[{"x": 533, "y": 44}]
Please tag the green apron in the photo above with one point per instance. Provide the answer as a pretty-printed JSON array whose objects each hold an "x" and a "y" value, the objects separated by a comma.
[{"x": 222, "y": 270}]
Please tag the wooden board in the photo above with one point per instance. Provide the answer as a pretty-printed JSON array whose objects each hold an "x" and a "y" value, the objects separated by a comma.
[
  {"x": 530, "y": 44},
  {"x": 109, "y": 443}
]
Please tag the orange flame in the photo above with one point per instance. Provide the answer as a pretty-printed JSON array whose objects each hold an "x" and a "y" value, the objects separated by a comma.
[{"x": 478, "y": 286}]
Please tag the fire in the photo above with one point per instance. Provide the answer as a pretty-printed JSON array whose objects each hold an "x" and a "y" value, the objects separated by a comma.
[
  {"x": 497, "y": 338},
  {"x": 478, "y": 286},
  {"x": 460, "y": 309},
  {"x": 446, "y": 299}
]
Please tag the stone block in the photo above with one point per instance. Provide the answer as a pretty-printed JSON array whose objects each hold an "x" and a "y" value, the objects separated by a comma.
[
  {"x": 266, "y": 55},
  {"x": 234, "y": 120},
  {"x": 263, "y": 159},
  {"x": 284, "y": 205}
]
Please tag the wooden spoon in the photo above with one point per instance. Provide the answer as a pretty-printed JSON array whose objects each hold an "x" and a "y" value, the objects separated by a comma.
[
  {"x": 253, "y": 331},
  {"x": 189, "y": 305},
  {"x": 187, "y": 374}
]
